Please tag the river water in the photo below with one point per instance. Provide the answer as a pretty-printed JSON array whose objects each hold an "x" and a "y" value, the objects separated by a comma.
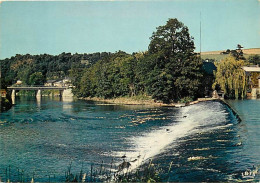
[{"x": 202, "y": 142}]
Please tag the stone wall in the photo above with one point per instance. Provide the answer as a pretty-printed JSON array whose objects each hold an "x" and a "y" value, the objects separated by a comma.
[{"x": 255, "y": 92}]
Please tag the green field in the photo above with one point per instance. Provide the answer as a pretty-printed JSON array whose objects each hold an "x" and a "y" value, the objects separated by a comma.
[{"x": 219, "y": 57}]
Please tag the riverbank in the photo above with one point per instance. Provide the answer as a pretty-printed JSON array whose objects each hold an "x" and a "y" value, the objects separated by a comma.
[
  {"x": 144, "y": 101},
  {"x": 138, "y": 100}
]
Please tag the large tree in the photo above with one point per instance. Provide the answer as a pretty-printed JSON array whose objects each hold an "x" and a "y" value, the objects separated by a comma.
[
  {"x": 172, "y": 40},
  {"x": 177, "y": 69}
]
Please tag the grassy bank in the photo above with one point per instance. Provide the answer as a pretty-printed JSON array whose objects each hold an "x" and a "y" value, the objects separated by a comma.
[
  {"x": 146, "y": 100},
  {"x": 135, "y": 100}
]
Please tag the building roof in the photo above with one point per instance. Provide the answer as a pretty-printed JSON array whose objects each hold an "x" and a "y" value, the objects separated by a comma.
[
  {"x": 209, "y": 67},
  {"x": 51, "y": 81},
  {"x": 251, "y": 69}
]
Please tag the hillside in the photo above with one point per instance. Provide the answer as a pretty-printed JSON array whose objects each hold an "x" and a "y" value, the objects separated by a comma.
[
  {"x": 218, "y": 56},
  {"x": 36, "y": 69},
  {"x": 250, "y": 51}
]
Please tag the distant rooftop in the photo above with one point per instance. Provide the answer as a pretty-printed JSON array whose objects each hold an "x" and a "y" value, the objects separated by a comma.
[
  {"x": 251, "y": 69},
  {"x": 51, "y": 81},
  {"x": 209, "y": 67}
]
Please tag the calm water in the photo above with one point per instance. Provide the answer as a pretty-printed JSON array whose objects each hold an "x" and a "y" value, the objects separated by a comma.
[{"x": 204, "y": 142}]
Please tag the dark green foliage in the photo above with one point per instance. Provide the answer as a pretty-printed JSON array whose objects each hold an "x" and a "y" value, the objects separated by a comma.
[
  {"x": 254, "y": 59},
  {"x": 177, "y": 69},
  {"x": 169, "y": 71},
  {"x": 237, "y": 53},
  {"x": 36, "y": 79},
  {"x": 2, "y": 83},
  {"x": 5, "y": 103},
  {"x": 172, "y": 39},
  {"x": 110, "y": 77},
  {"x": 208, "y": 77},
  {"x": 25, "y": 67}
]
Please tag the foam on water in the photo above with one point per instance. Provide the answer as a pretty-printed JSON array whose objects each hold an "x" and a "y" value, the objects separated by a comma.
[{"x": 191, "y": 120}]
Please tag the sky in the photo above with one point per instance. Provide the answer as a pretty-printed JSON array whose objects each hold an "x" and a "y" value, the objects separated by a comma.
[{"x": 53, "y": 27}]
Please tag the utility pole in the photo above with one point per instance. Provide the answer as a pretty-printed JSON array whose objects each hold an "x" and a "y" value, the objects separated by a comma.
[{"x": 200, "y": 34}]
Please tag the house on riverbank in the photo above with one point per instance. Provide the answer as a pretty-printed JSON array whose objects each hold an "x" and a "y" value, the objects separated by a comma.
[
  {"x": 253, "y": 74},
  {"x": 3, "y": 93},
  {"x": 66, "y": 82}
]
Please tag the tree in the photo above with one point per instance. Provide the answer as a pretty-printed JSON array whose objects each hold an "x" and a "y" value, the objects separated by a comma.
[
  {"x": 172, "y": 39},
  {"x": 238, "y": 53},
  {"x": 177, "y": 69},
  {"x": 36, "y": 79},
  {"x": 231, "y": 78},
  {"x": 110, "y": 77},
  {"x": 24, "y": 74},
  {"x": 254, "y": 59}
]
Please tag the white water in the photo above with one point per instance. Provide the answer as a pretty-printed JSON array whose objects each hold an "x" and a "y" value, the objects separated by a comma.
[{"x": 192, "y": 119}]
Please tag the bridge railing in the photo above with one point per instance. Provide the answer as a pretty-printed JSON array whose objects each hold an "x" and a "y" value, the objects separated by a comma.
[
  {"x": 15, "y": 85},
  {"x": 38, "y": 86}
]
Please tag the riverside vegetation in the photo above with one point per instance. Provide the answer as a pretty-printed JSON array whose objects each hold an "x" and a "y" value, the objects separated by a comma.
[
  {"x": 98, "y": 173},
  {"x": 5, "y": 103},
  {"x": 169, "y": 71}
]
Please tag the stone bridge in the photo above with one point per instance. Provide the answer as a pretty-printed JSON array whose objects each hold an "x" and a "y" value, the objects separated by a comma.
[
  {"x": 38, "y": 89},
  {"x": 64, "y": 91}
]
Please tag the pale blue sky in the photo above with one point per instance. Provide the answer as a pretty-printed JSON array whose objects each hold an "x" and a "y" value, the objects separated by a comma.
[{"x": 97, "y": 26}]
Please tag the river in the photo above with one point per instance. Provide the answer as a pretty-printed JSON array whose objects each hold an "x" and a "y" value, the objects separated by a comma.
[{"x": 202, "y": 142}]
